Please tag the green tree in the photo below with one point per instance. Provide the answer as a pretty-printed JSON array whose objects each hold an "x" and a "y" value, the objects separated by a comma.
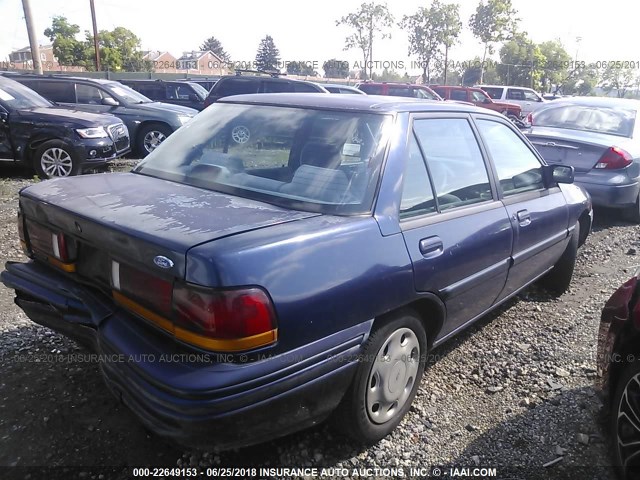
[
  {"x": 334, "y": 68},
  {"x": 557, "y": 64},
  {"x": 476, "y": 70},
  {"x": 268, "y": 56},
  {"x": 521, "y": 63},
  {"x": 66, "y": 47},
  {"x": 301, "y": 68},
  {"x": 431, "y": 29},
  {"x": 370, "y": 20},
  {"x": 616, "y": 77},
  {"x": 119, "y": 50},
  {"x": 451, "y": 30},
  {"x": 213, "y": 44},
  {"x": 494, "y": 21},
  {"x": 389, "y": 76}
]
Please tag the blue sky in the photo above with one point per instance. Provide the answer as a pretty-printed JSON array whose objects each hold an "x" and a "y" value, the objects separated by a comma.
[{"x": 307, "y": 31}]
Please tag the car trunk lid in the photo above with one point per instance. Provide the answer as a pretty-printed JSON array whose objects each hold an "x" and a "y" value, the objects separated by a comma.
[
  {"x": 581, "y": 150},
  {"x": 142, "y": 220}
]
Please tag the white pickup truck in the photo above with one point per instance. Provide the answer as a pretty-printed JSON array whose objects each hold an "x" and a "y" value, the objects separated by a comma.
[{"x": 527, "y": 98}]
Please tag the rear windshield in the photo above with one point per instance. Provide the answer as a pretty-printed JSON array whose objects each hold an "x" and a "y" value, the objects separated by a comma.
[
  {"x": 312, "y": 160},
  {"x": 588, "y": 118}
]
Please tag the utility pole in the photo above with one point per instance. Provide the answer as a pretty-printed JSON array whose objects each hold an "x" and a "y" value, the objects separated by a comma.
[
  {"x": 95, "y": 35},
  {"x": 33, "y": 39}
]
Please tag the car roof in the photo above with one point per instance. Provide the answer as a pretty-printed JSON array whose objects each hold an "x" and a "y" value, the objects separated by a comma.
[
  {"x": 362, "y": 103},
  {"x": 504, "y": 86},
  {"x": 597, "y": 102},
  {"x": 103, "y": 81}
]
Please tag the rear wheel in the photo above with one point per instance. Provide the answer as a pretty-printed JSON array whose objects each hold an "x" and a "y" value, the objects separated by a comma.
[
  {"x": 558, "y": 279},
  {"x": 387, "y": 379},
  {"x": 55, "y": 159},
  {"x": 625, "y": 424},
  {"x": 633, "y": 212}
]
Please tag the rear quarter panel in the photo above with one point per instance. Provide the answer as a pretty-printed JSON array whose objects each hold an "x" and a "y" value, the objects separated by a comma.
[{"x": 324, "y": 274}]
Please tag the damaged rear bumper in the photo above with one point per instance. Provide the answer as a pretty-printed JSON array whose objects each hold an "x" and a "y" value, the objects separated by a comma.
[{"x": 193, "y": 397}]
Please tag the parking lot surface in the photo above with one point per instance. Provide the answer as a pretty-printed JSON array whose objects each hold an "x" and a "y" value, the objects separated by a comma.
[{"x": 514, "y": 392}]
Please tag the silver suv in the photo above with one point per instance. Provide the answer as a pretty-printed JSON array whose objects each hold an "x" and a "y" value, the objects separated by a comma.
[{"x": 528, "y": 99}]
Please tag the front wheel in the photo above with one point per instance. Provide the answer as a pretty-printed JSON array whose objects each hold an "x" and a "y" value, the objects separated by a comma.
[
  {"x": 387, "y": 379},
  {"x": 150, "y": 137},
  {"x": 625, "y": 428},
  {"x": 55, "y": 159}
]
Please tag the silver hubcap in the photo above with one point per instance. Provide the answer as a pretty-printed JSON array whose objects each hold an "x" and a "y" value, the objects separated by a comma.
[
  {"x": 153, "y": 139},
  {"x": 56, "y": 162},
  {"x": 240, "y": 134},
  {"x": 629, "y": 425},
  {"x": 393, "y": 375}
]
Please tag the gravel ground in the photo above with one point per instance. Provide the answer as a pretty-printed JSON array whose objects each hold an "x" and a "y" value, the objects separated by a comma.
[{"x": 514, "y": 392}]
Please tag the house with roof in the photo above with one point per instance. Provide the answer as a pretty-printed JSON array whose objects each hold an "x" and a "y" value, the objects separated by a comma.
[
  {"x": 22, "y": 60},
  {"x": 163, "y": 62},
  {"x": 202, "y": 63}
]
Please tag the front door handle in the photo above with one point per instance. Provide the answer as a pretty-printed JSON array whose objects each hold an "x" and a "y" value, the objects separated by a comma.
[
  {"x": 524, "y": 218},
  {"x": 431, "y": 247}
]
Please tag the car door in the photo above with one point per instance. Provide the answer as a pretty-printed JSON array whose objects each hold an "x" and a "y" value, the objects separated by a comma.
[
  {"x": 6, "y": 148},
  {"x": 538, "y": 211},
  {"x": 457, "y": 232}
]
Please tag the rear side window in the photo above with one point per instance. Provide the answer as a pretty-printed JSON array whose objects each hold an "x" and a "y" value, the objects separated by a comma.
[
  {"x": 440, "y": 91},
  {"x": 459, "y": 95},
  {"x": 371, "y": 89},
  {"x": 517, "y": 167},
  {"x": 399, "y": 91},
  {"x": 236, "y": 86},
  {"x": 271, "y": 86},
  {"x": 152, "y": 91},
  {"x": 455, "y": 163},
  {"x": 417, "y": 195},
  {"x": 304, "y": 88},
  {"x": 494, "y": 92},
  {"x": 61, "y": 92}
]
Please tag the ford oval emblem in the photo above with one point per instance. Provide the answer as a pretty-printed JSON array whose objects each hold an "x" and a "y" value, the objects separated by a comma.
[{"x": 163, "y": 262}]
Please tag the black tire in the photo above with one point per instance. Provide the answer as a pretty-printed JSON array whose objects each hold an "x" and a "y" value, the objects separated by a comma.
[
  {"x": 626, "y": 397},
  {"x": 633, "y": 212},
  {"x": 353, "y": 417},
  {"x": 150, "y": 136},
  {"x": 55, "y": 158},
  {"x": 557, "y": 281}
]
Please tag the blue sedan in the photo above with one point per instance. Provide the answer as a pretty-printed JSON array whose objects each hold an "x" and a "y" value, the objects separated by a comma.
[{"x": 287, "y": 257}]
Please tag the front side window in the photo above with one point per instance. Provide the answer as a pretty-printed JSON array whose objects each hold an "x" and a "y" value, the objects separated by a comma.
[
  {"x": 90, "y": 95},
  {"x": 236, "y": 86},
  {"x": 424, "y": 93},
  {"x": 399, "y": 91},
  {"x": 517, "y": 167},
  {"x": 531, "y": 96},
  {"x": 371, "y": 89},
  {"x": 307, "y": 159},
  {"x": 515, "y": 94},
  {"x": 455, "y": 162},
  {"x": 459, "y": 95},
  {"x": 479, "y": 97},
  {"x": 271, "y": 86}
]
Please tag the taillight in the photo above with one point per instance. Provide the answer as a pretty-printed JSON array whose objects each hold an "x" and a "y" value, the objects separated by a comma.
[
  {"x": 59, "y": 249},
  {"x": 225, "y": 320},
  {"x": 614, "y": 158}
]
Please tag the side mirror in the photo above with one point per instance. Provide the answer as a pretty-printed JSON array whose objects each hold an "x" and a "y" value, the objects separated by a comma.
[
  {"x": 110, "y": 101},
  {"x": 561, "y": 173}
]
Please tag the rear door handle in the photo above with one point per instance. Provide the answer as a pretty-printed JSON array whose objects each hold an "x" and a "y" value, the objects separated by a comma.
[
  {"x": 524, "y": 218},
  {"x": 431, "y": 247}
]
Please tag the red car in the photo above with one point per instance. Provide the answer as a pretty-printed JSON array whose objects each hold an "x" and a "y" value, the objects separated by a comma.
[
  {"x": 619, "y": 374},
  {"x": 399, "y": 90},
  {"x": 479, "y": 98}
]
